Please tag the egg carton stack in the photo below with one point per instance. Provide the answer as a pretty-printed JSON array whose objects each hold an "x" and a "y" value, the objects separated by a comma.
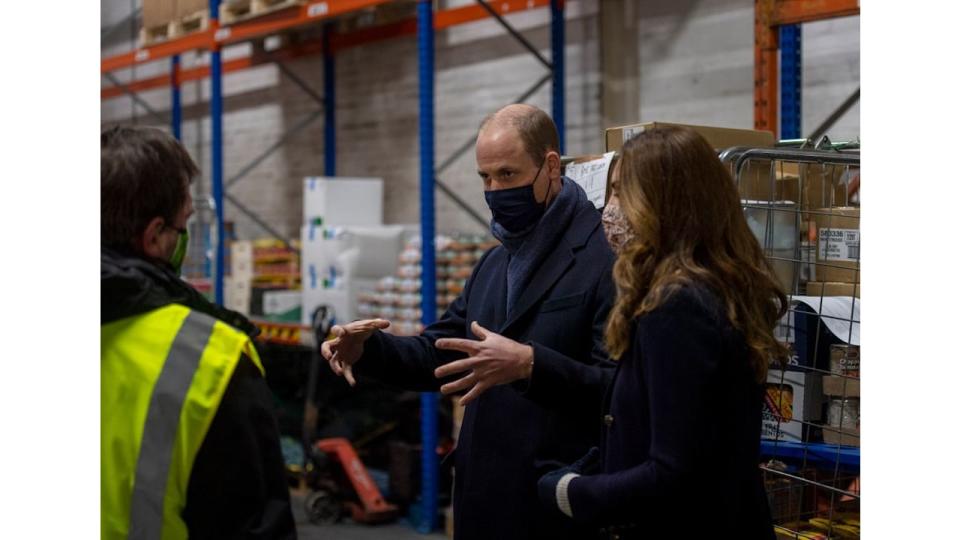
[{"x": 398, "y": 299}]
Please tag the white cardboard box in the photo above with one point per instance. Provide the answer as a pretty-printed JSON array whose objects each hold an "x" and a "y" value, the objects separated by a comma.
[
  {"x": 359, "y": 252},
  {"x": 241, "y": 259},
  {"x": 800, "y": 398},
  {"x": 332, "y": 200},
  {"x": 236, "y": 294}
]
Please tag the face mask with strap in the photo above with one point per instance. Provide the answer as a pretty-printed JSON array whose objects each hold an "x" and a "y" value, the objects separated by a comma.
[{"x": 516, "y": 209}]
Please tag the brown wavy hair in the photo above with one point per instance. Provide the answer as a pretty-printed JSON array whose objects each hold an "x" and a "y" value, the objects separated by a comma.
[{"x": 688, "y": 227}]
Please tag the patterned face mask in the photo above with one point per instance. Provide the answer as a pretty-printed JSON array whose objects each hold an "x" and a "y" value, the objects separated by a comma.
[{"x": 615, "y": 225}]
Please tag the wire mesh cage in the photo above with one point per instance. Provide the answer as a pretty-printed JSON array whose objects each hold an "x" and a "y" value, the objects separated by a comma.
[{"x": 803, "y": 207}]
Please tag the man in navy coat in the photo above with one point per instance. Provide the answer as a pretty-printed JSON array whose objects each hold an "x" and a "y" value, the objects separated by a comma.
[{"x": 524, "y": 340}]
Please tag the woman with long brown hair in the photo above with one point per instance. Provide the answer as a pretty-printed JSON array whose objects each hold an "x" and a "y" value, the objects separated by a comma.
[{"x": 692, "y": 329}]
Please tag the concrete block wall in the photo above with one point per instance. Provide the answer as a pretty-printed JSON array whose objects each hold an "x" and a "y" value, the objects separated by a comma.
[{"x": 695, "y": 65}]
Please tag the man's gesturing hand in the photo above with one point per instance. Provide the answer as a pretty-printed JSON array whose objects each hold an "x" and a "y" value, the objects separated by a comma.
[
  {"x": 343, "y": 351},
  {"x": 492, "y": 360}
]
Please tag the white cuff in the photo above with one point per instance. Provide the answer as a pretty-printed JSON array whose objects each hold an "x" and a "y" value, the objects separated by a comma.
[{"x": 563, "y": 503}]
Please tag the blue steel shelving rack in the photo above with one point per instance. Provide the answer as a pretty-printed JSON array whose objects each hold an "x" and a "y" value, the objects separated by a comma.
[
  {"x": 428, "y": 292},
  {"x": 791, "y": 81},
  {"x": 428, "y": 181}
]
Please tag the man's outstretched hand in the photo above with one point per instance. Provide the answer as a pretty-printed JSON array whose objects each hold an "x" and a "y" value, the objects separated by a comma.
[
  {"x": 493, "y": 360},
  {"x": 346, "y": 347}
]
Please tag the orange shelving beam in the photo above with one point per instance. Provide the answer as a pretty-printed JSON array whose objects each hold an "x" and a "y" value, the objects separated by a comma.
[
  {"x": 769, "y": 15},
  {"x": 271, "y": 24},
  {"x": 225, "y": 35}
]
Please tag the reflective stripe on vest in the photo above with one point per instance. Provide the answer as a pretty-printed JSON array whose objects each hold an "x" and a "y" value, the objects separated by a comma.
[
  {"x": 160, "y": 429},
  {"x": 163, "y": 375}
]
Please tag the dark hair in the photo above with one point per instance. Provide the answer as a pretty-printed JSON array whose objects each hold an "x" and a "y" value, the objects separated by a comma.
[
  {"x": 536, "y": 129},
  {"x": 688, "y": 226},
  {"x": 144, "y": 173}
]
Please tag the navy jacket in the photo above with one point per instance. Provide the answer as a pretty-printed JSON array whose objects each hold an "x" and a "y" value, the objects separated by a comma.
[
  {"x": 514, "y": 433},
  {"x": 681, "y": 439}
]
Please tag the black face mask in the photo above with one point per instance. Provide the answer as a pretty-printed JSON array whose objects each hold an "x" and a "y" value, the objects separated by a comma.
[{"x": 516, "y": 209}]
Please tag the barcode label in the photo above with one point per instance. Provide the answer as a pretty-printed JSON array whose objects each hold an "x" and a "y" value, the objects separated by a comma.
[
  {"x": 221, "y": 34},
  {"x": 838, "y": 245}
]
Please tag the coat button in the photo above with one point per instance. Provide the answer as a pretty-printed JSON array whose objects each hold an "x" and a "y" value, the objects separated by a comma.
[{"x": 608, "y": 420}]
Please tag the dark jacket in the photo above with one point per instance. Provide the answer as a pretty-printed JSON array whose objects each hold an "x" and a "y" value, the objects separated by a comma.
[
  {"x": 513, "y": 433},
  {"x": 682, "y": 437},
  {"x": 237, "y": 486}
]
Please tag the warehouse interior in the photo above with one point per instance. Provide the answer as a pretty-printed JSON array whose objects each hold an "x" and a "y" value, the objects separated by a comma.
[{"x": 338, "y": 181}]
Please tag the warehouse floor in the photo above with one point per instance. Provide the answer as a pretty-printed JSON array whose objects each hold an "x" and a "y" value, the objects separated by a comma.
[{"x": 348, "y": 530}]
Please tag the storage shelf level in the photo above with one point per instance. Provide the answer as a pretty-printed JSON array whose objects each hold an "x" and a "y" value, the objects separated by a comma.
[{"x": 815, "y": 453}]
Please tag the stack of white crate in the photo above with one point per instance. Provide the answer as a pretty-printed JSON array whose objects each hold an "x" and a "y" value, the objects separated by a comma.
[
  {"x": 238, "y": 285},
  {"x": 331, "y": 265}
]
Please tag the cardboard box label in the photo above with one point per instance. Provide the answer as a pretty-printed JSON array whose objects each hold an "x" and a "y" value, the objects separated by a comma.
[
  {"x": 592, "y": 176},
  {"x": 631, "y": 132},
  {"x": 839, "y": 245}
]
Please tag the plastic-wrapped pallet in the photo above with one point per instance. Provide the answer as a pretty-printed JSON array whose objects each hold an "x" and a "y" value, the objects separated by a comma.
[{"x": 340, "y": 263}]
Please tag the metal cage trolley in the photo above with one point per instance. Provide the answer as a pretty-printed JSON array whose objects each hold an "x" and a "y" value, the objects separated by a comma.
[{"x": 803, "y": 206}]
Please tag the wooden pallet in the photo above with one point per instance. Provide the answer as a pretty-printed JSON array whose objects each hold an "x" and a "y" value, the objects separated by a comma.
[
  {"x": 234, "y": 11},
  {"x": 188, "y": 24}
]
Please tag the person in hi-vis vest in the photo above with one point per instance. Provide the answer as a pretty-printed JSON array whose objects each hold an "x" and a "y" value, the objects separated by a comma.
[{"x": 189, "y": 445}]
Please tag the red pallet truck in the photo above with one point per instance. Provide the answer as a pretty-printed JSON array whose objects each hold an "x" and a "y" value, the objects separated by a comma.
[{"x": 338, "y": 480}]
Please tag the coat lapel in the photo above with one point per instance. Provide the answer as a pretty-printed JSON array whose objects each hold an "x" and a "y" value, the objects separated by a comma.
[{"x": 551, "y": 269}]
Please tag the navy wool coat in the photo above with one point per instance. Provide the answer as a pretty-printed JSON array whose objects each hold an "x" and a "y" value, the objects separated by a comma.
[
  {"x": 514, "y": 433},
  {"x": 681, "y": 443}
]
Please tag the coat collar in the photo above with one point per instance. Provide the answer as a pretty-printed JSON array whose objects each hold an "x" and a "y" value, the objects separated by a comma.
[{"x": 553, "y": 267}]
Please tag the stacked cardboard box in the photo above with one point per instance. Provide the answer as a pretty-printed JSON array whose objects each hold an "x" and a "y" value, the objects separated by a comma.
[
  {"x": 343, "y": 263},
  {"x": 838, "y": 244},
  {"x": 842, "y": 394},
  {"x": 338, "y": 201},
  {"x": 237, "y": 287},
  {"x": 820, "y": 288},
  {"x": 168, "y": 19},
  {"x": 330, "y": 265},
  {"x": 754, "y": 183},
  {"x": 157, "y": 16}
]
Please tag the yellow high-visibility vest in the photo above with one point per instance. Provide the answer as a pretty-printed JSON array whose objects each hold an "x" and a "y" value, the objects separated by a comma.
[{"x": 162, "y": 377}]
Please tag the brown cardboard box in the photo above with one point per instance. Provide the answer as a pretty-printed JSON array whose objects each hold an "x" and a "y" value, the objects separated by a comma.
[
  {"x": 838, "y": 244},
  {"x": 811, "y": 185},
  {"x": 755, "y": 182},
  {"x": 189, "y": 7},
  {"x": 841, "y": 386},
  {"x": 849, "y": 436},
  {"x": 718, "y": 137},
  {"x": 158, "y": 12},
  {"x": 819, "y": 288}
]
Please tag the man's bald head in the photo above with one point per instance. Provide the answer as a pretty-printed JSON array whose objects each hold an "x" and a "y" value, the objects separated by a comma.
[{"x": 535, "y": 127}]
